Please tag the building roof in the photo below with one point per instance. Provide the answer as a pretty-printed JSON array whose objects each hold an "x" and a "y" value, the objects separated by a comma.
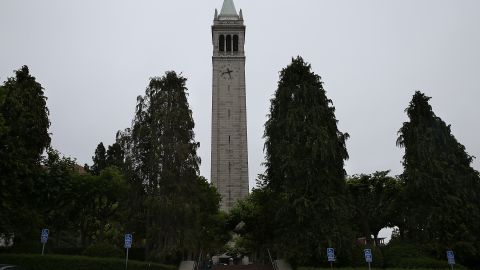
[{"x": 228, "y": 9}]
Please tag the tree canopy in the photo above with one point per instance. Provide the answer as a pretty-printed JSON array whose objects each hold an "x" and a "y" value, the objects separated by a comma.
[
  {"x": 99, "y": 159},
  {"x": 442, "y": 188},
  {"x": 373, "y": 199},
  {"x": 161, "y": 154},
  {"x": 147, "y": 182},
  {"x": 24, "y": 137},
  {"x": 305, "y": 154}
]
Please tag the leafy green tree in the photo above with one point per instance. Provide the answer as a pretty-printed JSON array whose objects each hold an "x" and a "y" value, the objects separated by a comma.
[
  {"x": 209, "y": 223},
  {"x": 442, "y": 188},
  {"x": 257, "y": 233},
  {"x": 54, "y": 194},
  {"x": 305, "y": 154},
  {"x": 98, "y": 203},
  {"x": 23, "y": 138},
  {"x": 373, "y": 198},
  {"x": 99, "y": 159},
  {"x": 161, "y": 153}
]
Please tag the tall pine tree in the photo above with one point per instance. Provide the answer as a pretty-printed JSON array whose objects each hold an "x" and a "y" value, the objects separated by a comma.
[
  {"x": 305, "y": 154},
  {"x": 442, "y": 188}
]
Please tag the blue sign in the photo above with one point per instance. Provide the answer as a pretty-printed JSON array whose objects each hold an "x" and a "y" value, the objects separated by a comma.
[
  {"x": 44, "y": 236},
  {"x": 368, "y": 255},
  {"x": 128, "y": 240},
  {"x": 450, "y": 257},
  {"x": 331, "y": 254}
]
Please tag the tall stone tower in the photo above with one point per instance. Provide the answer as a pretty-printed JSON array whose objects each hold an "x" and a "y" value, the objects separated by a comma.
[{"x": 229, "y": 171}]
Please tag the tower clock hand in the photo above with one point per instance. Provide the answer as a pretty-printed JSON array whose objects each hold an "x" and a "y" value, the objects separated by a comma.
[{"x": 229, "y": 72}]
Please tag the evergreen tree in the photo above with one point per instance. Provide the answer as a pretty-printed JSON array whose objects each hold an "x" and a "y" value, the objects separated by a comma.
[
  {"x": 305, "y": 154},
  {"x": 115, "y": 156},
  {"x": 161, "y": 152},
  {"x": 24, "y": 137},
  {"x": 442, "y": 188},
  {"x": 99, "y": 159},
  {"x": 3, "y": 127}
]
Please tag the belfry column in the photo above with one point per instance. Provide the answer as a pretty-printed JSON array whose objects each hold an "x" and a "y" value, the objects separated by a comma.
[{"x": 229, "y": 171}]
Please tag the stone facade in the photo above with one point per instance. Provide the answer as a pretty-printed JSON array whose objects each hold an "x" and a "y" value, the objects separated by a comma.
[{"x": 229, "y": 169}]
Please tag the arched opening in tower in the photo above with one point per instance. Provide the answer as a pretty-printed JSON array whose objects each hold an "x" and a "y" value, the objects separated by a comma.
[
  {"x": 235, "y": 43},
  {"x": 229, "y": 43},
  {"x": 221, "y": 43}
]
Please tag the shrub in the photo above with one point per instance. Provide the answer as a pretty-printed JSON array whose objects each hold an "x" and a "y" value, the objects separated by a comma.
[
  {"x": 103, "y": 250},
  {"x": 137, "y": 254},
  {"x": 60, "y": 262},
  {"x": 68, "y": 250},
  {"x": 397, "y": 251},
  {"x": 29, "y": 247},
  {"x": 406, "y": 255},
  {"x": 425, "y": 262}
]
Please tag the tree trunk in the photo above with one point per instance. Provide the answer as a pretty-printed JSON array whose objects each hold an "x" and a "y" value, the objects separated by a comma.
[{"x": 375, "y": 237}]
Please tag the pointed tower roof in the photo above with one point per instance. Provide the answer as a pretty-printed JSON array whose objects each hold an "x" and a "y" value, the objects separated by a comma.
[{"x": 228, "y": 9}]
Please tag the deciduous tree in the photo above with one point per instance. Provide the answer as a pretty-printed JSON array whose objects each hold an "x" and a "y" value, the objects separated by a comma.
[{"x": 373, "y": 198}]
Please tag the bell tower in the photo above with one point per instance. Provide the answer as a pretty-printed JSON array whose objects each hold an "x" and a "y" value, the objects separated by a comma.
[{"x": 229, "y": 169}]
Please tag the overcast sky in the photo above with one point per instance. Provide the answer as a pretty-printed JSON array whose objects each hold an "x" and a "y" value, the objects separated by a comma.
[{"x": 95, "y": 57}]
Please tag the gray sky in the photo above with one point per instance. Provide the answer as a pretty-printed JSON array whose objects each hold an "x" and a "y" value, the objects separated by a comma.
[{"x": 95, "y": 57}]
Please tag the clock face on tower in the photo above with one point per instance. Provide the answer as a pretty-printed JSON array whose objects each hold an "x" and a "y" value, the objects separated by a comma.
[{"x": 227, "y": 72}]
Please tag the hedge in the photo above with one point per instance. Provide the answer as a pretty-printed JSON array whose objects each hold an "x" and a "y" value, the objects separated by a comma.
[
  {"x": 61, "y": 262},
  {"x": 103, "y": 250},
  {"x": 405, "y": 255}
]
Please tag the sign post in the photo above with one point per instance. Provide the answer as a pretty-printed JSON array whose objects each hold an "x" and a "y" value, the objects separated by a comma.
[
  {"x": 368, "y": 257},
  {"x": 451, "y": 258},
  {"x": 128, "y": 245},
  {"x": 331, "y": 256},
  {"x": 44, "y": 239}
]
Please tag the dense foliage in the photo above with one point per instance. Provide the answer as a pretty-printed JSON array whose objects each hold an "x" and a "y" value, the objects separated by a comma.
[
  {"x": 23, "y": 138},
  {"x": 147, "y": 183},
  {"x": 410, "y": 255},
  {"x": 177, "y": 209},
  {"x": 103, "y": 250},
  {"x": 305, "y": 178},
  {"x": 441, "y": 187},
  {"x": 304, "y": 199},
  {"x": 373, "y": 200}
]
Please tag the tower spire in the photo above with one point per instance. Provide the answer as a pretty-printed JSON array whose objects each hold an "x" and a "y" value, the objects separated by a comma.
[{"x": 228, "y": 9}]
